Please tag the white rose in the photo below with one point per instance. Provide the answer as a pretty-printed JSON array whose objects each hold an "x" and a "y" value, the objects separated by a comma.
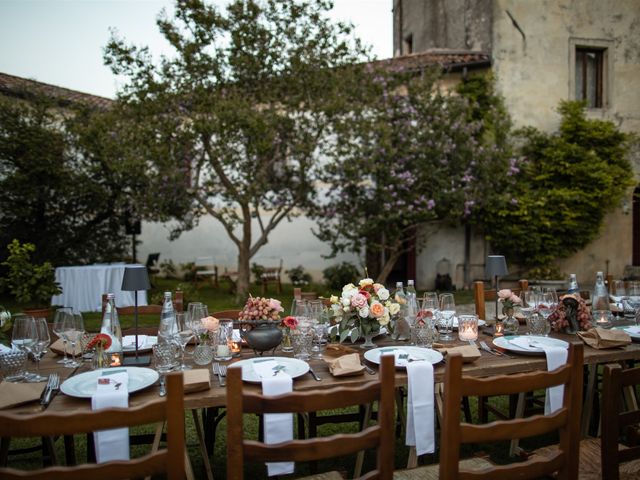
[
  {"x": 348, "y": 286},
  {"x": 365, "y": 282},
  {"x": 334, "y": 299},
  {"x": 337, "y": 309},
  {"x": 394, "y": 308},
  {"x": 384, "y": 320},
  {"x": 383, "y": 294},
  {"x": 364, "y": 312}
]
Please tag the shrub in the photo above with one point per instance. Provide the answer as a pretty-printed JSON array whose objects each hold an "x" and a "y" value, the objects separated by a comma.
[
  {"x": 257, "y": 271},
  {"x": 298, "y": 276},
  {"x": 339, "y": 275}
]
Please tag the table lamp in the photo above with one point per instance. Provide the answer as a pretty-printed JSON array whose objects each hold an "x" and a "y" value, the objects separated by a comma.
[
  {"x": 496, "y": 267},
  {"x": 136, "y": 278}
]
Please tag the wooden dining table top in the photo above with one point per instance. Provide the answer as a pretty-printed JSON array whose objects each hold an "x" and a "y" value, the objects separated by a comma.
[{"x": 486, "y": 365}]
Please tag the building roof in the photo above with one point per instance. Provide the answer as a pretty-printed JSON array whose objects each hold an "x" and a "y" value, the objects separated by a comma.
[
  {"x": 23, "y": 88},
  {"x": 447, "y": 60}
]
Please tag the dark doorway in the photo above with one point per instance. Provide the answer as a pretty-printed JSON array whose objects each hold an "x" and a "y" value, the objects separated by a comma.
[{"x": 636, "y": 226}]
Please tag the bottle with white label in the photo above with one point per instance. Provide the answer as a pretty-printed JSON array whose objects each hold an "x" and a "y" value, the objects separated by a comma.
[
  {"x": 168, "y": 330},
  {"x": 111, "y": 327}
]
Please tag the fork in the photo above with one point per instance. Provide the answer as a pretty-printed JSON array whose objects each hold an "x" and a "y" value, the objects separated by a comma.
[
  {"x": 55, "y": 386},
  {"x": 493, "y": 351},
  {"x": 222, "y": 373},
  {"x": 47, "y": 388}
]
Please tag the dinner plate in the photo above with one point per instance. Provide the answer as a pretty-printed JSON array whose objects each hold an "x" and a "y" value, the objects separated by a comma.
[
  {"x": 294, "y": 367},
  {"x": 415, "y": 353},
  {"x": 634, "y": 333},
  {"x": 481, "y": 323},
  {"x": 84, "y": 385},
  {"x": 146, "y": 347},
  {"x": 506, "y": 342}
]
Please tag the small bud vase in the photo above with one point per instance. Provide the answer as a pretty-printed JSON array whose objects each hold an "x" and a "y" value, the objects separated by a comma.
[
  {"x": 368, "y": 341},
  {"x": 510, "y": 324},
  {"x": 203, "y": 353},
  {"x": 286, "y": 345},
  {"x": 101, "y": 359}
]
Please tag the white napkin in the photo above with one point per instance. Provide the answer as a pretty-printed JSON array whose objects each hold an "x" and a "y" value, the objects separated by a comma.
[
  {"x": 524, "y": 343},
  {"x": 278, "y": 427},
  {"x": 401, "y": 357},
  {"x": 420, "y": 408},
  {"x": 556, "y": 357},
  {"x": 112, "y": 391},
  {"x": 129, "y": 341}
]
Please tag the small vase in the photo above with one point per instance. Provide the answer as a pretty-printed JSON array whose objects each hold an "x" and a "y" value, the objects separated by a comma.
[
  {"x": 101, "y": 359},
  {"x": 510, "y": 326},
  {"x": 368, "y": 343},
  {"x": 286, "y": 345},
  {"x": 203, "y": 354}
]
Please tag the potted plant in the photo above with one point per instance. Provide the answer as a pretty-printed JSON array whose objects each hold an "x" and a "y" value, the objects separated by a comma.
[{"x": 31, "y": 285}]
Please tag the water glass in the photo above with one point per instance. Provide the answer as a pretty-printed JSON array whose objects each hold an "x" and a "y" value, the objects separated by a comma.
[
  {"x": 185, "y": 334},
  {"x": 538, "y": 325},
  {"x": 320, "y": 331},
  {"x": 164, "y": 360},
  {"x": 12, "y": 365},
  {"x": 302, "y": 339},
  {"x": 223, "y": 340},
  {"x": 424, "y": 334},
  {"x": 447, "y": 312}
]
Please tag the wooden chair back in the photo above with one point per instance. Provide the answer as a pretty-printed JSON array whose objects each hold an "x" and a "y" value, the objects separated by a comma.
[
  {"x": 152, "y": 263},
  {"x": 380, "y": 436},
  {"x": 205, "y": 268},
  {"x": 178, "y": 305},
  {"x": 482, "y": 295},
  {"x": 271, "y": 275},
  {"x": 615, "y": 418},
  {"x": 298, "y": 294},
  {"x": 232, "y": 314},
  {"x": 170, "y": 461},
  {"x": 566, "y": 420}
]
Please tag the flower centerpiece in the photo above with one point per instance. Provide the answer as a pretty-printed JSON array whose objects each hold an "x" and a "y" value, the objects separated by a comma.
[
  {"x": 262, "y": 315},
  {"x": 362, "y": 310},
  {"x": 289, "y": 323},
  {"x": 509, "y": 300},
  {"x": 571, "y": 315},
  {"x": 100, "y": 343}
]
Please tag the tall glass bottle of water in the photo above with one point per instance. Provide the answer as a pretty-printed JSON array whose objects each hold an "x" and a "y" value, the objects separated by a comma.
[
  {"x": 111, "y": 327},
  {"x": 600, "y": 297},
  {"x": 412, "y": 306},
  {"x": 168, "y": 330},
  {"x": 572, "y": 287}
]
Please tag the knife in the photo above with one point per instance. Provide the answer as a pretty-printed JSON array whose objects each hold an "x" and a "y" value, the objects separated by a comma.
[{"x": 318, "y": 379}]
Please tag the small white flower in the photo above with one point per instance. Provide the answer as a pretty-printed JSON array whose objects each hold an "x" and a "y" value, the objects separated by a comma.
[
  {"x": 384, "y": 320},
  {"x": 346, "y": 309},
  {"x": 394, "y": 308},
  {"x": 334, "y": 299},
  {"x": 365, "y": 282},
  {"x": 383, "y": 294},
  {"x": 348, "y": 286},
  {"x": 346, "y": 301},
  {"x": 364, "y": 312}
]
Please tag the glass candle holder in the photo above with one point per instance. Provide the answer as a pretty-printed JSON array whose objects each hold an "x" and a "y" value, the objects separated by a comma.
[
  {"x": 498, "y": 329},
  {"x": 222, "y": 349},
  {"x": 467, "y": 327}
]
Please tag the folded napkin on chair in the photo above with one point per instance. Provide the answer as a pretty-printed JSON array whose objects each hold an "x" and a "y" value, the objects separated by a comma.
[
  {"x": 604, "y": 338},
  {"x": 112, "y": 391},
  {"x": 278, "y": 427},
  {"x": 420, "y": 407},
  {"x": 345, "y": 365}
]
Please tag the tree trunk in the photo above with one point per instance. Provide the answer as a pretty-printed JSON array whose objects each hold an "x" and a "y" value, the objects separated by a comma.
[
  {"x": 244, "y": 275},
  {"x": 388, "y": 264}
]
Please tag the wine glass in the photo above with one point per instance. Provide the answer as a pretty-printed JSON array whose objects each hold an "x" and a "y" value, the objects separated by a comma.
[
  {"x": 39, "y": 348},
  {"x": 546, "y": 306},
  {"x": 447, "y": 312},
  {"x": 73, "y": 330},
  {"x": 185, "y": 333},
  {"x": 300, "y": 308},
  {"x": 529, "y": 302},
  {"x": 23, "y": 337},
  {"x": 196, "y": 312},
  {"x": 164, "y": 355},
  {"x": 58, "y": 329}
]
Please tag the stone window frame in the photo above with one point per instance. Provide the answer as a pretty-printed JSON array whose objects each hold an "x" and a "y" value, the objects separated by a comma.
[{"x": 606, "y": 47}]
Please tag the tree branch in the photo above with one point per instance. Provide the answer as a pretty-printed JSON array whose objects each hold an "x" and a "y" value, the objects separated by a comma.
[{"x": 211, "y": 211}]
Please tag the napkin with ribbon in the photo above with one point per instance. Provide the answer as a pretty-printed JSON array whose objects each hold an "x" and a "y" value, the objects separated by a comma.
[
  {"x": 604, "y": 338},
  {"x": 556, "y": 357},
  {"x": 278, "y": 427},
  {"x": 12, "y": 394},
  {"x": 112, "y": 391},
  {"x": 420, "y": 407},
  {"x": 129, "y": 341},
  {"x": 345, "y": 365}
]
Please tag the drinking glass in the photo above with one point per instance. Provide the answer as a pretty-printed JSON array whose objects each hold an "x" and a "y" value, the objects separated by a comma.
[
  {"x": 23, "y": 337},
  {"x": 428, "y": 313},
  {"x": 529, "y": 302},
  {"x": 185, "y": 334},
  {"x": 320, "y": 331},
  {"x": 224, "y": 337},
  {"x": 12, "y": 365},
  {"x": 424, "y": 333},
  {"x": 196, "y": 312},
  {"x": 58, "y": 329},
  {"x": 302, "y": 338},
  {"x": 300, "y": 308},
  {"x": 164, "y": 357},
  {"x": 447, "y": 312},
  {"x": 547, "y": 305},
  {"x": 537, "y": 324},
  {"x": 43, "y": 339},
  {"x": 73, "y": 330}
]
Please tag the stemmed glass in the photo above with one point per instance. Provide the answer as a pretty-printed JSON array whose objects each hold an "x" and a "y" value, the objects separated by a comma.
[
  {"x": 58, "y": 329},
  {"x": 546, "y": 306},
  {"x": 447, "y": 312},
  {"x": 529, "y": 302},
  {"x": 196, "y": 312},
  {"x": 39, "y": 348},
  {"x": 24, "y": 337},
  {"x": 164, "y": 355},
  {"x": 315, "y": 309},
  {"x": 73, "y": 330},
  {"x": 185, "y": 333},
  {"x": 300, "y": 308}
]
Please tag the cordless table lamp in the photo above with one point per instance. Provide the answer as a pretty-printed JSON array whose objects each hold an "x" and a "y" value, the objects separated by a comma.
[{"x": 136, "y": 278}]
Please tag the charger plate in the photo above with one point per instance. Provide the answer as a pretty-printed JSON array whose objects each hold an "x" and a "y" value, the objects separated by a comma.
[{"x": 536, "y": 341}]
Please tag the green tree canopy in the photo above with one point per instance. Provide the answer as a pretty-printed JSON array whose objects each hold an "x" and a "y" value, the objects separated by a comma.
[
  {"x": 568, "y": 182},
  {"x": 233, "y": 124}
]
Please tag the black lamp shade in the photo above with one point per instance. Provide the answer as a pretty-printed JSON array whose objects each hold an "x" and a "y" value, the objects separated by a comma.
[
  {"x": 135, "y": 278},
  {"x": 496, "y": 266}
]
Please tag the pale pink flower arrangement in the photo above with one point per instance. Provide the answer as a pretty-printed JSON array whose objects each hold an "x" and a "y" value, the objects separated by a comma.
[{"x": 508, "y": 298}]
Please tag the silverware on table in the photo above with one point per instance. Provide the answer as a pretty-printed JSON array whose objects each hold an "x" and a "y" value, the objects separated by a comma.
[
  {"x": 492, "y": 351},
  {"x": 221, "y": 372},
  {"x": 47, "y": 388},
  {"x": 51, "y": 391},
  {"x": 368, "y": 369},
  {"x": 318, "y": 379}
]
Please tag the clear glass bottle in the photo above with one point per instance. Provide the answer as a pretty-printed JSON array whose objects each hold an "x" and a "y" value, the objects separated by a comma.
[
  {"x": 600, "y": 307},
  {"x": 111, "y": 326},
  {"x": 412, "y": 303},
  {"x": 402, "y": 329},
  {"x": 168, "y": 329},
  {"x": 572, "y": 287}
]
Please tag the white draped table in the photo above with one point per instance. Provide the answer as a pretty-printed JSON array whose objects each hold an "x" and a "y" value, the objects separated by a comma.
[{"x": 83, "y": 286}]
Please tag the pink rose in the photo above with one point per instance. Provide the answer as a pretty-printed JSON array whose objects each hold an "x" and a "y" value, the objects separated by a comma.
[
  {"x": 210, "y": 323},
  {"x": 504, "y": 294},
  {"x": 358, "y": 301},
  {"x": 275, "y": 305}
]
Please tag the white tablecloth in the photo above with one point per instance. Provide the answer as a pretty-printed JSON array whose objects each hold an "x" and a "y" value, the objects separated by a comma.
[{"x": 82, "y": 287}]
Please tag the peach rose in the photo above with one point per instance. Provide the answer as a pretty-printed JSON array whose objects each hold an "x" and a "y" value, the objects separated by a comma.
[
  {"x": 210, "y": 323},
  {"x": 377, "y": 309}
]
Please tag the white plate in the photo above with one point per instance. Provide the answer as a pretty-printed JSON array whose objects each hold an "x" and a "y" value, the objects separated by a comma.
[
  {"x": 292, "y": 366},
  {"x": 504, "y": 342},
  {"x": 481, "y": 323},
  {"x": 148, "y": 344},
  {"x": 415, "y": 353},
  {"x": 635, "y": 336},
  {"x": 84, "y": 384}
]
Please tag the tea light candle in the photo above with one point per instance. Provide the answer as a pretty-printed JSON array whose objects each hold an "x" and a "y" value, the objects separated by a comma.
[
  {"x": 602, "y": 318},
  {"x": 468, "y": 327},
  {"x": 235, "y": 348},
  {"x": 499, "y": 330},
  {"x": 115, "y": 360}
]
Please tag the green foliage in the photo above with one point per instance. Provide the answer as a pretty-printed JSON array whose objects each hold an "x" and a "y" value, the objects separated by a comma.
[
  {"x": 189, "y": 271},
  {"x": 168, "y": 269},
  {"x": 298, "y": 276},
  {"x": 339, "y": 275},
  {"x": 570, "y": 180},
  {"x": 59, "y": 188},
  {"x": 257, "y": 271},
  {"x": 28, "y": 283}
]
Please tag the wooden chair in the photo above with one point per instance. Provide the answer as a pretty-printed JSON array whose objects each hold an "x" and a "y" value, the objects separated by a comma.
[
  {"x": 205, "y": 269},
  {"x": 271, "y": 275},
  {"x": 380, "y": 436},
  {"x": 453, "y": 433},
  {"x": 481, "y": 296},
  {"x": 298, "y": 294},
  {"x": 170, "y": 460},
  {"x": 232, "y": 314},
  {"x": 178, "y": 305},
  {"x": 152, "y": 263}
]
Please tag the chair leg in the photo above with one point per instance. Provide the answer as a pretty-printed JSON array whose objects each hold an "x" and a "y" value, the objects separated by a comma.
[
  {"x": 483, "y": 413},
  {"x": 588, "y": 401},
  {"x": 519, "y": 413},
  {"x": 360, "y": 457}
]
